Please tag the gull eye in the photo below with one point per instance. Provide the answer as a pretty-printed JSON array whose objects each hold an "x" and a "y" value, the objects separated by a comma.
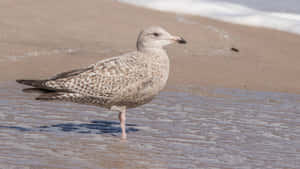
[{"x": 156, "y": 34}]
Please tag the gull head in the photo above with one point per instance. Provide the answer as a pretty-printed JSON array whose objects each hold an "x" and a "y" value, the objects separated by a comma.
[{"x": 156, "y": 37}]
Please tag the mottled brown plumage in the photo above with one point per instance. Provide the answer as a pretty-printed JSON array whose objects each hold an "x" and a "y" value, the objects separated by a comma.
[{"x": 116, "y": 83}]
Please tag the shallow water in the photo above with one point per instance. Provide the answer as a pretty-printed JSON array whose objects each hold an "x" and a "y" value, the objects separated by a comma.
[{"x": 241, "y": 129}]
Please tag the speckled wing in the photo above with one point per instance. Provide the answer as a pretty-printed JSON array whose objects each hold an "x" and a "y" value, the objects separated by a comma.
[{"x": 105, "y": 79}]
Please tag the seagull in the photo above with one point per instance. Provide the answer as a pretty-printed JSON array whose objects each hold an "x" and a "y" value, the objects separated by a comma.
[{"x": 117, "y": 83}]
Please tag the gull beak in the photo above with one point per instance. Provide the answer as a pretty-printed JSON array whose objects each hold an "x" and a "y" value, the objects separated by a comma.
[{"x": 179, "y": 39}]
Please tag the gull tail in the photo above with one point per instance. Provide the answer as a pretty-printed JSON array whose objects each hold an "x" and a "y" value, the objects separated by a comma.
[
  {"x": 75, "y": 97},
  {"x": 51, "y": 96}
]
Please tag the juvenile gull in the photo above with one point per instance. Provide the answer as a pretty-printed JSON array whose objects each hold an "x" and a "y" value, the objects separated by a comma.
[{"x": 117, "y": 83}]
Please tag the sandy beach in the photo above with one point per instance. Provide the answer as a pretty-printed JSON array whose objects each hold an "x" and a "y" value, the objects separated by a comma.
[{"x": 40, "y": 39}]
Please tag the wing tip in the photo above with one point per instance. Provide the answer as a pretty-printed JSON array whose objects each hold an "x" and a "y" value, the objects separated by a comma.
[{"x": 21, "y": 81}]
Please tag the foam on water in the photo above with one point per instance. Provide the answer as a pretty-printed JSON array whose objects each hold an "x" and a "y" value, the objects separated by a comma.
[{"x": 228, "y": 11}]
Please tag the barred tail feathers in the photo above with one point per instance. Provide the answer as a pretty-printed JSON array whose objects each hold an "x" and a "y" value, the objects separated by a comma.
[{"x": 59, "y": 96}]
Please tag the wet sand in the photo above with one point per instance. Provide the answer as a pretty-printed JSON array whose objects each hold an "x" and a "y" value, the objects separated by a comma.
[
  {"x": 176, "y": 130},
  {"x": 39, "y": 39}
]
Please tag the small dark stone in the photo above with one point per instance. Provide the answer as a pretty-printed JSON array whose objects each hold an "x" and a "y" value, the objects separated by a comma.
[{"x": 235, "y": 49}]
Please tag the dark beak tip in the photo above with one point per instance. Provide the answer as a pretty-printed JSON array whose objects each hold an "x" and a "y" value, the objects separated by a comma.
[{"x": 182, "y": 41}]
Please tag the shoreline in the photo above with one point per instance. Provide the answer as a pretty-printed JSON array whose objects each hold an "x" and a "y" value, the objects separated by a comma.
[
  {"x": 240, "y": 19},
  {"x": 42, "y": 43}
]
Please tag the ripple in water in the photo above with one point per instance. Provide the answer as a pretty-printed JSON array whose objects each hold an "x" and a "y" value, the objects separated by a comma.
[{"x": 176, "y": 130}]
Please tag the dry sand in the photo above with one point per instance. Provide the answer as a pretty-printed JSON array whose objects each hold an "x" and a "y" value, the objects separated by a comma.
[{"x": 42, "y": 38}]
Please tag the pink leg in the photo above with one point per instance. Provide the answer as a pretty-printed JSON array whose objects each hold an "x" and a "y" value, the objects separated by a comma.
[{"x": 122, "y": 118}]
